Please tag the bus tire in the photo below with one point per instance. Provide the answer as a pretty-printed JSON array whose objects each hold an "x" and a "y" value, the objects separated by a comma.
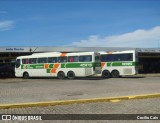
[
  {"x": 25, "y": 75},
  {"x": 115, "y": 74},
  {"x": 61, "y": 75},
  {"x": 106, "y": 74},
  {"x": 71, "y": 75}
]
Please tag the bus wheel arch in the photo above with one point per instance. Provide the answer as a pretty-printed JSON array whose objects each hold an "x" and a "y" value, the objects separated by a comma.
[
  {"x": 71, "y": 75},
  {"x": 106, "y": 74},
  {"x": 115, "y": 74},
  {"x": 61, "y": 75},
  {"x": 26, "y": 75}
]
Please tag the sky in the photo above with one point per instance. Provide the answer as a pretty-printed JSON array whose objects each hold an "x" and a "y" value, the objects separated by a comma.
[{"x": 80, "y": 23}]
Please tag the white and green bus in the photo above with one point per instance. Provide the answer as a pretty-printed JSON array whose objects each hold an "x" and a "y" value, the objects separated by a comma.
[
  {"x": 116, "y": 64},
  {"x": 56, "y": 64}
]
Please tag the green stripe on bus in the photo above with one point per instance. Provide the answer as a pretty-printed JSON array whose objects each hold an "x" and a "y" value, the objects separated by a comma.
[
  {"x": 116, "y": 64},
  {"x": 37, "y": 66},
  {"x": 63, "y": 65},
  {"x": 77, "y": 65}
]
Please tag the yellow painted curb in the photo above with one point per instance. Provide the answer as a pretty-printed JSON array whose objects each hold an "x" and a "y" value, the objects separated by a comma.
[
  {"x": 66, "y": 102},
  {"x": 115, "y": 101}
]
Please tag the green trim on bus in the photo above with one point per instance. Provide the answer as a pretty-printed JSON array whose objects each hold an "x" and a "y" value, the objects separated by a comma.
[
  {"x": 117, "y": 64},
  {"x": 62, "y": 65}
]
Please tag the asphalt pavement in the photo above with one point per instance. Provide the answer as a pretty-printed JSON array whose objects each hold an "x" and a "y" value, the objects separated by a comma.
[{"x": 40, "y": 90}]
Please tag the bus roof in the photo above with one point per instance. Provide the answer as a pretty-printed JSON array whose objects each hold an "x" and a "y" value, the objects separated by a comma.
[
  {"x": 56, "y": 54},
  {"x": 118, "y": 52}
]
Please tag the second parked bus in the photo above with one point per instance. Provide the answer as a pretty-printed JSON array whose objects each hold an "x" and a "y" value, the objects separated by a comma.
[{"x": 116, "y": 64}]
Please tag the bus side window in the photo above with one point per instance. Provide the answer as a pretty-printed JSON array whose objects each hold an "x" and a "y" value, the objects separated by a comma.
[
  {"x": 86, "y": 58},
  {"x": 33, "y": 61},
  {"x": 27, "y": 61},
  {"x": 18, "y": 63},
  {"x": 130, "y": 57},
  {"x": 42, "y": 60},
  {"x": 52, "y": 59},
  {"x": 109, "y": 57},
  {"x": 62, "y": 59},
  {"x": 73, "y": 59},
  {"x": 24, "y": 61}
]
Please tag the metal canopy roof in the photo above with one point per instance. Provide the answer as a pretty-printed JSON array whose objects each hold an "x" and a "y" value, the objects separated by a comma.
[{"x": 72, "y": 49}]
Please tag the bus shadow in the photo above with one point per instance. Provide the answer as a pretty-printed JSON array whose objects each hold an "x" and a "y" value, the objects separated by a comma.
[
  {"x": 77, "y": 78},
  {"x": 82, "y": 78},
  {"x": 132, "y": 77},
  {"x": 90, "y": 78}
]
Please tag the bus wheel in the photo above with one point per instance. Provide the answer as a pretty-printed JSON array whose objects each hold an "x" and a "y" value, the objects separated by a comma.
[
  {"x": 115, "y": 74},
  {"x": 106, "y": 74},
  {"x": 61, "y": 75},
  {"x": 71, "y": 75},
  {"x": 26, "y": 75}
]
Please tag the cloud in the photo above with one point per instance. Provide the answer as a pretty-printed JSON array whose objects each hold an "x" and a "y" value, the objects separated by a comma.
[
  {"x": 139, "y": 38},
  {"x": 6, "y": 25}
]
